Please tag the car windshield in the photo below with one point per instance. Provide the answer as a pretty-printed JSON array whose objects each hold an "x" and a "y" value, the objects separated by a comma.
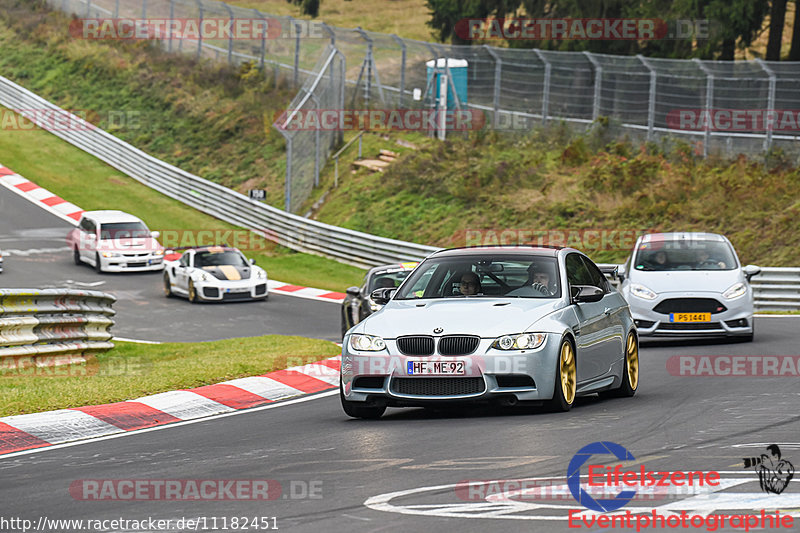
[
  {"x": 388, "y": 279},
  {"x": 124, "y": 230},
  {"x": 684, "y": 255},
  {"x": 512, "y": 276},
  {"x": 212, "y": 259}
]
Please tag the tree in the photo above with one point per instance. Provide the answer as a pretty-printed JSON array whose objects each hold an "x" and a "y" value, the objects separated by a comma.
[
  {"x": 310, "y": 7},
  {"x": 777, "y": 17},
  {"x": 794, "y": 52}
]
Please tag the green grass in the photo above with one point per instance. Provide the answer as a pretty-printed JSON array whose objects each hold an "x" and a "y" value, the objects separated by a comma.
[
  {"x": 133, "y": 370},
  {"x": 91, "y": 184}
]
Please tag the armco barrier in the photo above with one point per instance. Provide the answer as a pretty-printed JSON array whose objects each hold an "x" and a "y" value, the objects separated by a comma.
[
  {"x": 347, "y": 246},
  {"x": 52, "y": 326}
]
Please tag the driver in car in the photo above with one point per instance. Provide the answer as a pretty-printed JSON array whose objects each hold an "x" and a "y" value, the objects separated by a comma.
[
  {"x": 539, "y": 283},
  {"x": 469, "y": 285}
]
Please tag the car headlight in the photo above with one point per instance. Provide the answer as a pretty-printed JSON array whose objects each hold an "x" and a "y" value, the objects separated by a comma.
[
  {"x": 202, "y": 277},
  {"x": 366, "y": 343},
  {"x": 158, "y": 252},
  {"x": 519, "y": 341},
  {"x": 642, "y": 292},
  {"x": 374, "y": 306},
  {"x": 109, "y": 254},
  {"x": 735, "y": 291}
]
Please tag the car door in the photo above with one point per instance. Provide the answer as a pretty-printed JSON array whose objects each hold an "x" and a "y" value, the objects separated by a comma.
[
  {"x": 182, "y": 272},
  {"x": 592, "y": 349},
  {"x": 611, "y": 320},
  {"x": 88, "y": 239}
]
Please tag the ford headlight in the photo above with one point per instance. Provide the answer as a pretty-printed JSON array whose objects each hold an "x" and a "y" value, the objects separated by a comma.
[
  {"x": 735, "y": 291},
  {"x": 519, "y": 341},
  {"x": 366, "y": 343},
  {"x": 642, "y": 292}
]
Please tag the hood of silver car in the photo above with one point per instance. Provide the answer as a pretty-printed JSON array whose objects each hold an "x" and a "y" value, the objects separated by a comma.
[
  {"x": 688, "y": 280},
  {"x": 487, "y": 317}
]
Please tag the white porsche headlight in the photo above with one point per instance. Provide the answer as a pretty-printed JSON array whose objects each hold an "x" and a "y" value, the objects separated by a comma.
[
  {"x": 735, "y": 291},
  {"x": 643, "y": 292},
  {"x": 366, "y": 343},
  {"x": 260, "y": 274},
  {"x": 519, "y": 341}
]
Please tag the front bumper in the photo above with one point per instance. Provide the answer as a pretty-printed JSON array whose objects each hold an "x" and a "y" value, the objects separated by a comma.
[
  {"x": 735, "y": 320},
  {"x": 488, "y": 374},
  {"x": 133, "y": 262},
  {"x": 229, "y": 291}
]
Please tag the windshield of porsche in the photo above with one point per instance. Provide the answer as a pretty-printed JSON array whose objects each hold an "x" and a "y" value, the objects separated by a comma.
[
  {"x": 212, "y": 259},
  {"x": 684, "y": 255},
  {"x": 388, "y": 279},
  {"x": 514, "y": 276}
]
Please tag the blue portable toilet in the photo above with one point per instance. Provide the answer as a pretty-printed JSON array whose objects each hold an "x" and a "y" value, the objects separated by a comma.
[{"x": 458, "y": 73}]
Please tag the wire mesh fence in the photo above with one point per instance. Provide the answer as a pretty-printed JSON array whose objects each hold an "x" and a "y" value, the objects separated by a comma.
[{"x": 722, "y": 108}]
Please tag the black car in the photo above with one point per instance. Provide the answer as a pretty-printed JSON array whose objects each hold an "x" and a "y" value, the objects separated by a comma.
[{"x": 357, "y": 305}]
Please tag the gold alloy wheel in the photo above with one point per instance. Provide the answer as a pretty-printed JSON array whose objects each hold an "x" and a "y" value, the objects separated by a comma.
[
  {"x": 632, "y": 360},
  {"x": 192, "y": 292},
  {"x": 568, "y": 373}
]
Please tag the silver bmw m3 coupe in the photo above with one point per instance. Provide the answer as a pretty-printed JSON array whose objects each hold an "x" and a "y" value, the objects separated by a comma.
[{"x": 492, "y": 324}]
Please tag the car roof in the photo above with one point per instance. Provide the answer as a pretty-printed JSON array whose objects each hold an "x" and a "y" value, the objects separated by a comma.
[
  {"x": 680, "y": 236},
  {"x": 111, "y": 215},
  {"x": 214, "y": 249},
  {"x": 544, "y": 251}
]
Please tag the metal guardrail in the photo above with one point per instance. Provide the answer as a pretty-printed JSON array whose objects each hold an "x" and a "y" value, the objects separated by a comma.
[
  {"x": 295, "y": 232},
  {"x": 774, "y": 289},
  {"x": 53, "y": 326}
]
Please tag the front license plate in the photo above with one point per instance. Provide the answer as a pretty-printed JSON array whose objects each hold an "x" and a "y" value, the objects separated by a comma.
[
  {"x": 237, "y": 290},
  {"x": 690, "y": 317},
  {"x": 441, "y": 368}
]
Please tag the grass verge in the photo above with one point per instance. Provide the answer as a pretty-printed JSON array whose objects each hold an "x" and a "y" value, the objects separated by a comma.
[{"x": 134, "y": 370}]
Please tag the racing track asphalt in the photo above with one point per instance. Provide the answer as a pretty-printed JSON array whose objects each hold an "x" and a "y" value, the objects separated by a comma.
[
  {"x": 673, "y": 423},
  {"x": 142, "y": 310}
]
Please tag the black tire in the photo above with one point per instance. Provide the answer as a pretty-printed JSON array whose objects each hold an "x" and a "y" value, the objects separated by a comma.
[
  {"x": 98, "y": 266},
  {"x": 631, "y": 368},
  {"x": 359, "y": 409},
  {"x": 76, "y": 257},
  {"x": 562, "y": 401},
  {"x": 167, "y": 286},
  {"x": 192, "y": 293}
]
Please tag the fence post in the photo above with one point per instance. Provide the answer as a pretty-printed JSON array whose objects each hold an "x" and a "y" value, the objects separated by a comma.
[
  {"x": 116, "y": 9},
  {"x": 144, "y": 9},
  {"x": 498, "y": 66},
  {"x": 88, "y": 9},
  {"x": 171, "y": 18},
  {"x": 598, "y": 81},
  {"x": 330, "y": 32},
  {"x": 316, "y": 101},
  {"x": 287, "y": 203},
  {"x": 260, "y": 16},
  {"x": 200, "y": 34},
  {"x": 230, "y": 37},
  {"x": 770, "y": 103},
  {"x": 342, "y": 90},
  {"x": 545, "y": 86},
  {"x": 297, "y": 30},
  {"x": 402, "y": 44},
  {"x": 651, "y": 103},
  {"x": 709, "y": 103}
]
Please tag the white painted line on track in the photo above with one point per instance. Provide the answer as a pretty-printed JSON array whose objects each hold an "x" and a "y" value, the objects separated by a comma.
[{"x": 169, "y": 426}]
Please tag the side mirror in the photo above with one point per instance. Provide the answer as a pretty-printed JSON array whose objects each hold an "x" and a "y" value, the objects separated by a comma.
[
  {"x": 382, "y": 296},
  {"x": 155, "y": 234},
  {"x": 353, "y": 291},
  {"x": 252, "y": 261},
  {"x": 750, "y": 271},
  {"x": 586, "y": 293}
]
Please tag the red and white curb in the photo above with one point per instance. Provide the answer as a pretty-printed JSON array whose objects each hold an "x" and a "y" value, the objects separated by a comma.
[
  {"x": 38, "y": 430},
  {"x": 42, "y": 197},
  {"x": 72, "y": 214}
]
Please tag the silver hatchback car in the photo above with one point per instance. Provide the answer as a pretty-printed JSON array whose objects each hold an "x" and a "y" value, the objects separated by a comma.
[{"x": 688, "y": 284}]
